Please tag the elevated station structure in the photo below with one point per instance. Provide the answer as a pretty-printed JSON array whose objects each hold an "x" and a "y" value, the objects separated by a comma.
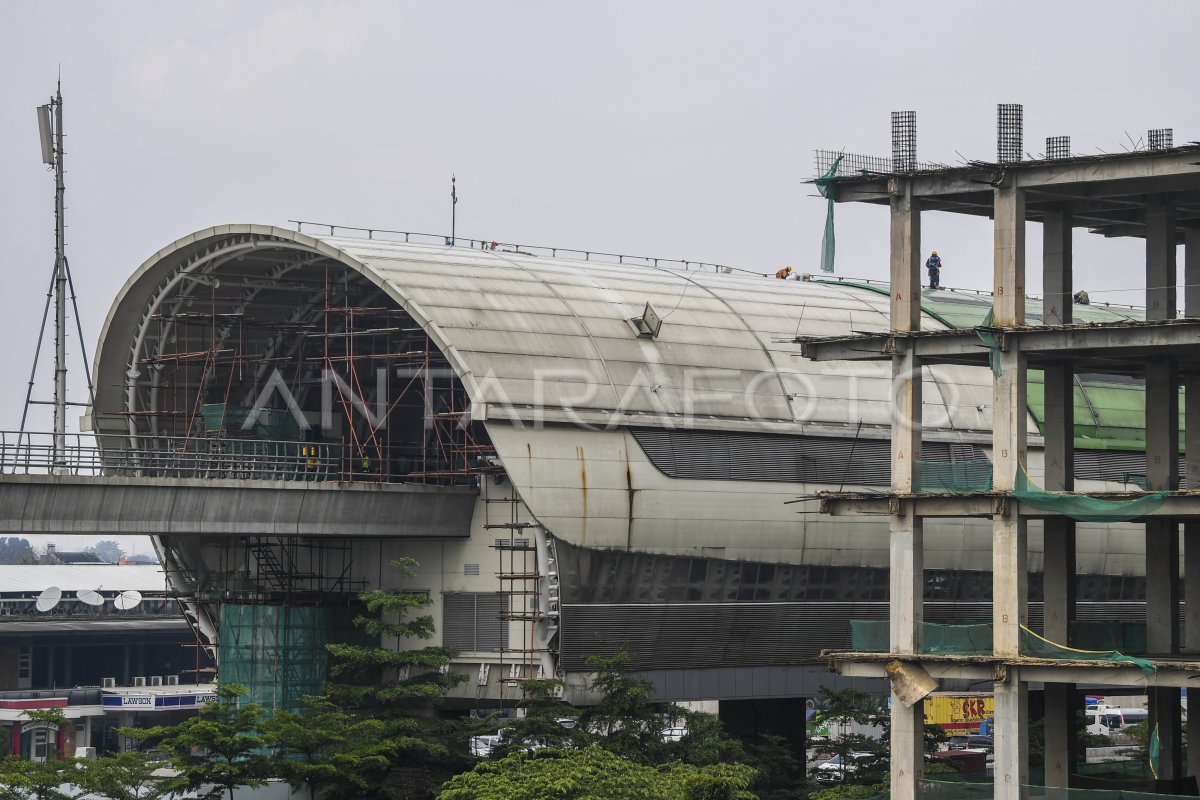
[
  {"x": 286, "y": 413},
  {"x": 1154, "y": 195}
]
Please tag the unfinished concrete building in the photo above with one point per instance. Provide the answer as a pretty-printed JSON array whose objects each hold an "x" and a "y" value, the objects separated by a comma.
[{"x": 1153, "y": 194}]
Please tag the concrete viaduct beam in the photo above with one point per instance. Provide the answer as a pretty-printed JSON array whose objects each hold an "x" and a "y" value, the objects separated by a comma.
[{"x": 58, "y": 504}]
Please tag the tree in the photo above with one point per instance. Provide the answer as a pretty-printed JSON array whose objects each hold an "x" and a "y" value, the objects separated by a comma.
[
  {"x": 540, "y": 726},
  {"x": 221, "y": 745},
  {"x": 403, "y": 687},
  {"x": 127, "y": 776},
  {"x": 108, "y": 549},
  {"x": 593, "y": 773},
  {"x": 15, "y": 550},
  {"x": 847, "y": 713},
  {"x": 780, "y": 773},
  {"x": 55, "y": 778},
  {"x": 325, "y": 749},
  {"x": 628, "y": 721}
]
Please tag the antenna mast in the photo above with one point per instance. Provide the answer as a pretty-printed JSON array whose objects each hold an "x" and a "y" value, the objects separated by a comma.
[
  {"x": 60, "y": 287},
  {"x": 50, "y": 126},
  {"x": 453, "y": 210}
]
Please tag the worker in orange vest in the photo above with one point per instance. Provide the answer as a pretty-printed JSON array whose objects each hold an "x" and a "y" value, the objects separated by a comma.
[{"x": 784, "y": 273}]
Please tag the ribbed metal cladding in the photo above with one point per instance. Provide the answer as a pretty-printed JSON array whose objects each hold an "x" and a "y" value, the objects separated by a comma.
[
  {"x": 755, "y": 634},
  {"x": 471, "y": 621},
  {"x": 1117, "y": 466},
  {"x": 715, "y": 455}
]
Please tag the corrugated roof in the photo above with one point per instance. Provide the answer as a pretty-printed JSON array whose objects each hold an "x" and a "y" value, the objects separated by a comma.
[
  {"x": 33, "y": 578},
  {"x": 544, "y": 338}
]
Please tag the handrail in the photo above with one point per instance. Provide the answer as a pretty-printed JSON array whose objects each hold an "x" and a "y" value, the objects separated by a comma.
[
  {"x": 411, "y": 237},
  {"x": 119, "y": 455}
]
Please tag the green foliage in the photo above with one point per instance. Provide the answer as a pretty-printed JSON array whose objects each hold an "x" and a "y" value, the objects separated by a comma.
[
  {"x": 403, "y": 687},
  {"x": 849, "y": 791},
  {"x": 327, "y": 750},
  {"x": 15, "y": 550},
  {"x": 850, "y": 707},
  {"x": 220, "y": 746},
  {"x": 52, "y": 779},
  {"x": 629, "y": 723},
  {"x": 539, "y": 727},
  {"x": 780, "y": 773},
  {"x": 594, "y": 773},
  {"x": 108, "y": 549},
  {"x": 128, "y": 776}
]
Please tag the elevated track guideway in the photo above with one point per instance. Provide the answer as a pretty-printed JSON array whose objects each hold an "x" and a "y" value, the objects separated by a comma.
[{"x": 100, "y": 484}]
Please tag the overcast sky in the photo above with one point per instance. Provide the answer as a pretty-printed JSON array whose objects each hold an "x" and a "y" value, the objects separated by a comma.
[{"x": 671, "y": 129}]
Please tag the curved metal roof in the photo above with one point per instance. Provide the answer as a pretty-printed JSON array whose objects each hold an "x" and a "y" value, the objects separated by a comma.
[{"x": 549, "y": 339}]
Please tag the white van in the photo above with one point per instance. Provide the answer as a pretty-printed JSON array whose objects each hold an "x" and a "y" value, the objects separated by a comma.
[{"x": 1106, "y": 720}]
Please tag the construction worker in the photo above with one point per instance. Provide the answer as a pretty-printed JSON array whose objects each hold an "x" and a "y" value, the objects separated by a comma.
[
  {"x": 784, "y": 273},
  {"x": 934, "y": 265}
]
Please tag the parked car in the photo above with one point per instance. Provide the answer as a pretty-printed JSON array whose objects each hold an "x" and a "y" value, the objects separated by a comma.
[
  {"x": 971, "y": 742},
  {"x": 834, "y": 771},
  {"x": 674, "y": 734}
]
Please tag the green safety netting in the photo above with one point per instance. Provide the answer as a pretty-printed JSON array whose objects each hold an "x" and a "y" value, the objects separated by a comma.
[
  {"x": 869, "y": 635},
  {"x": 975, "y": 639},
  {"x": 953, "y": 477},
  {"x": 827, "y": 238},
  {"x": 1128, "y": 637},
  {"x": 872, "y": 636},
  {"x": 991, "y": 342},
  {"x": 276, "y": 652},
  {"x": 1082, "y": 507},
  {"x": 1033, "y": 644}
]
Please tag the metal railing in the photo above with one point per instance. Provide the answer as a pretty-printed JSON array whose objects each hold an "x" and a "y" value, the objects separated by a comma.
[
  {"x": 121, "y": 455},
  {"x": 412, "y": 237}
]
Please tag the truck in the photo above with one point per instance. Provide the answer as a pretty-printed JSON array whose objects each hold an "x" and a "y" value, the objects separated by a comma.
[{"x": 959, "y": 712}]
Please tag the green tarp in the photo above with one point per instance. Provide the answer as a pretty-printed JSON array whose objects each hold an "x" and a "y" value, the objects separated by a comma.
[{"x": 1084, "y": 508}]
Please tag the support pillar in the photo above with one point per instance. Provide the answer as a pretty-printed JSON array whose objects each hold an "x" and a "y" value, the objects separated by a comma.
[
  {"x": 1058, "y": 577},
  {"x": 1191, "y": 530},
  {"x": 1162, "y": 471},
  {"x": 1009, "y": 536},
  {"x": 906, "y": 541}
]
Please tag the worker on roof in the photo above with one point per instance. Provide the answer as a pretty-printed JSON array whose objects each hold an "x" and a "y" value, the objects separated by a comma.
[
  {"x": 784, "y": 273},
  {"x": 934, "y": 265}
]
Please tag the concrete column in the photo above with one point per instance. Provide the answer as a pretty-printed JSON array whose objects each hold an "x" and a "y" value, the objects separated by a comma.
[
  {"x": 1162, "y": 446},
  {"x": 1009, "y": 537},
  {"x": 1058, "y": 579},
  {"x": 906, "y": 545},
  {"x": 1191, "y": 272},
  {"x": 1160, "y": 260},
  {"x": 905, "y": 259},
  {"x": 1191, "y": 530},
  {"x": 1057, "y": 268},
  {"x": 1008, "y": 306}
]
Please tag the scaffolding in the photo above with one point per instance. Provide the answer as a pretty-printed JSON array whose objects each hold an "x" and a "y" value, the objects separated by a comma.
[
  {"x": 528, "y": 595},
  {"x": 315, "y": 356}
]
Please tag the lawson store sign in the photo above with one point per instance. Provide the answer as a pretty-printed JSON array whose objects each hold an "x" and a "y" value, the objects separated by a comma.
[{"x": 169, "y": 700}]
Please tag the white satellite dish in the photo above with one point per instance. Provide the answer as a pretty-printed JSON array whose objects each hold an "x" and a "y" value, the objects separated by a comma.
[
  {"x": 49, "y": 598},
  {"x": 91, "y": 597},
  {"x": 127, "y": 600}
]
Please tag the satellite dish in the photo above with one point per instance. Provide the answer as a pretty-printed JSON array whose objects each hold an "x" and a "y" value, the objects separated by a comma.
[
  {"x": 127, "y": 600},
  {"x": 49, "y": 598},
  {"x": 91, "y": 597}
]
